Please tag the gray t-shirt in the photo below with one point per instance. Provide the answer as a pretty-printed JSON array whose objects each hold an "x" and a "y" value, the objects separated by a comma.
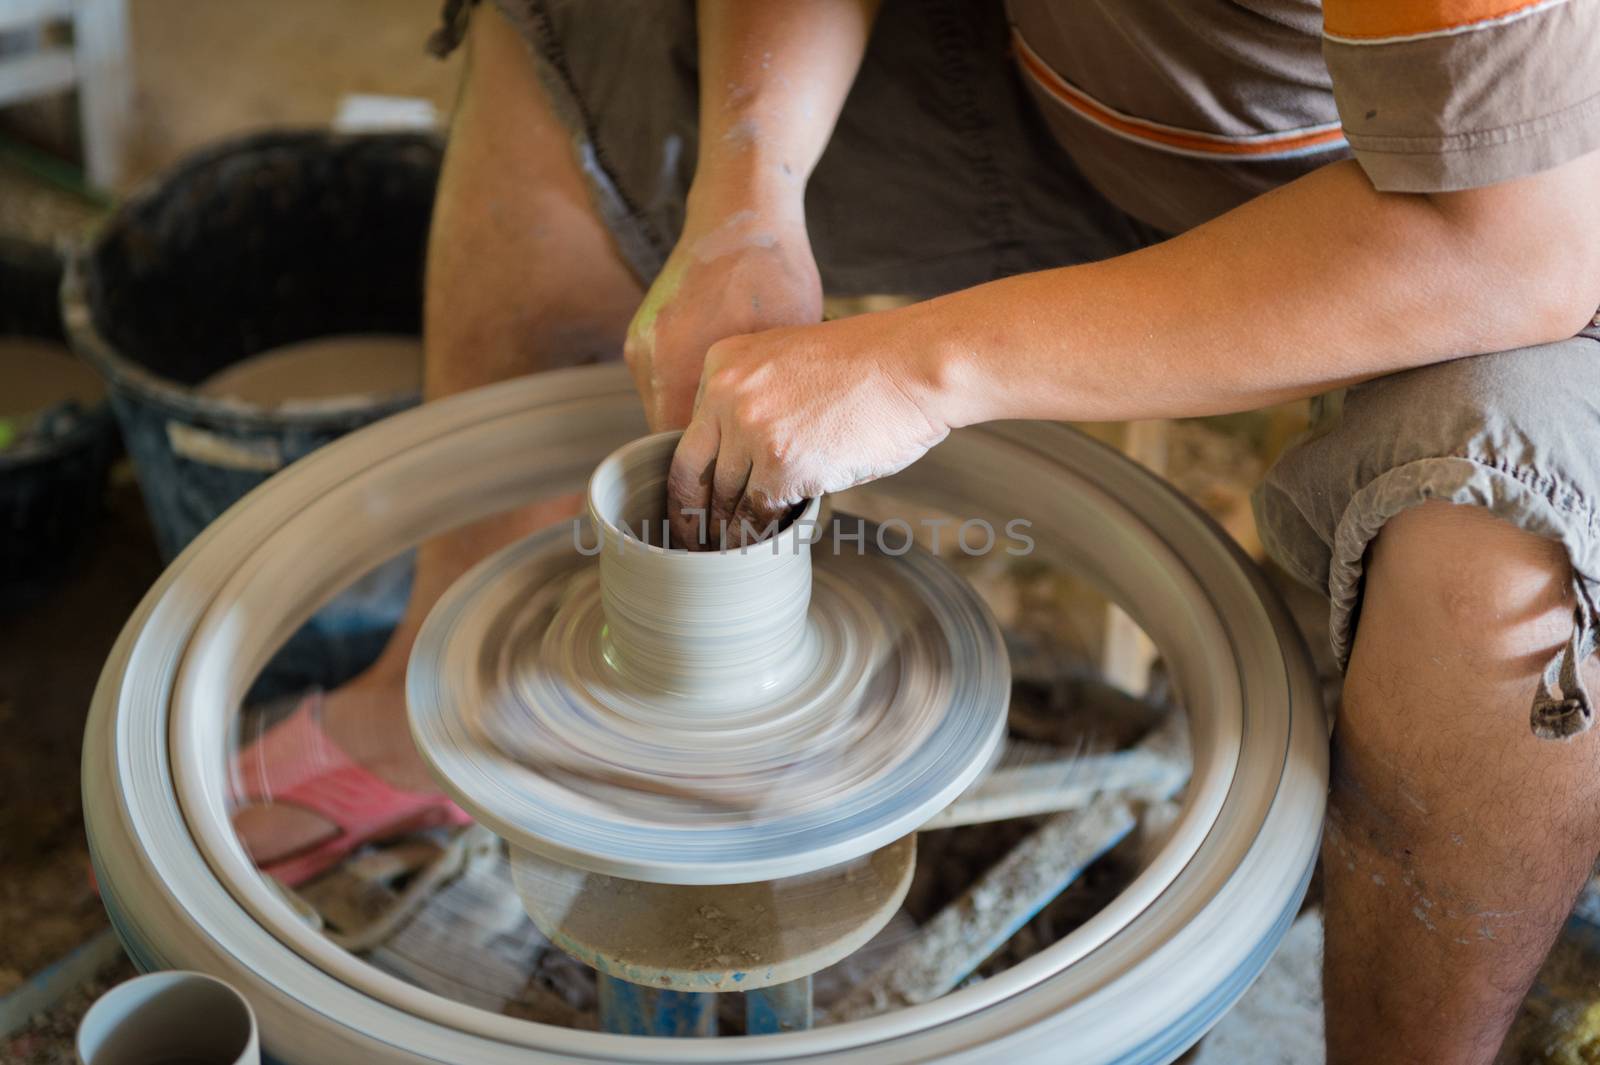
[{"x": 1179, "y": 110}]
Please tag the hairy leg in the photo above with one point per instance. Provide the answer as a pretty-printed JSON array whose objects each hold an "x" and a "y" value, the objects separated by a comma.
[
  {"x": 522, "y": 276},
  {"x": 1456, "y": 841}
]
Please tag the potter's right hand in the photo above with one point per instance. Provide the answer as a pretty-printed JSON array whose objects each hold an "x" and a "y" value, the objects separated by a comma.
[{"x": 740, "y": 266}]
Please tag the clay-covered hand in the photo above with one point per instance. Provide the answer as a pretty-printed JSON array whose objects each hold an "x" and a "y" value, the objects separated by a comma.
[
  {"x": 735, "y": 270},
  {"x": 793, "y": 413}
]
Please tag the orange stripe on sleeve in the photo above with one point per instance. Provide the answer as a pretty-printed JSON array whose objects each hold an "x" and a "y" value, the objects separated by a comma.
[
  {"x": 1189, "y": 142},
  {"x": 1376, "y": 19}
]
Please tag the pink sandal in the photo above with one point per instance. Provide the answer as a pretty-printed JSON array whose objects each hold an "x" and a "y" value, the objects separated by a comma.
[{"x": 296, "y": 763}]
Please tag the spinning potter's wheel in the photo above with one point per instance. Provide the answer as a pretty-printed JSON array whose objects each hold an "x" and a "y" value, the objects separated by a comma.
[
  {"x": 706, "y": 717},
  {"x": 1138, "y": 980},
  {"x": 728, "y": 720}
]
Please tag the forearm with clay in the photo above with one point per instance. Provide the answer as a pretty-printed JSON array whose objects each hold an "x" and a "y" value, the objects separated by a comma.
[
  {"x": 773, "y": 78},
  {"x": 1321, "y": 283}
]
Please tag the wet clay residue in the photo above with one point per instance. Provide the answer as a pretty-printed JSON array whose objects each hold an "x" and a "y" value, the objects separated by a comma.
[
  {"x": 323, "y": 368},
  {"x": 720, "y": 936}
]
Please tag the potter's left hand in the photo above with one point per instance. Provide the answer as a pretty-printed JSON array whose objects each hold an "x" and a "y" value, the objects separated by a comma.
[{"x": 791, "y": 413}]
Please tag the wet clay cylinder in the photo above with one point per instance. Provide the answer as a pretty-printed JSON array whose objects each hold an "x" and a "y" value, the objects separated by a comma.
[{"x": 726, "y": 627}]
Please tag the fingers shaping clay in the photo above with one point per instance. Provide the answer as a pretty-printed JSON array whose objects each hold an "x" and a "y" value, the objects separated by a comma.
[{"x": 704, "y": 717}]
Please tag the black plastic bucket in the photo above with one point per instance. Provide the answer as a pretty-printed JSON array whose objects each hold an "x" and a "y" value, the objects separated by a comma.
[
  {"x": 52, "y": 489},
  {"x": 252, "y": 245}
]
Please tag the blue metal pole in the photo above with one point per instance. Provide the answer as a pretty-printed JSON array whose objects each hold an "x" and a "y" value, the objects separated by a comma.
[
  {"x": 633, "y": 1009},
  {"x": 780, "y": 1008}
]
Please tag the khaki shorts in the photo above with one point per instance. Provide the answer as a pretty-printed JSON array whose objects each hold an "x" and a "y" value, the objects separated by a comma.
[{"x": 941, "y": 175}]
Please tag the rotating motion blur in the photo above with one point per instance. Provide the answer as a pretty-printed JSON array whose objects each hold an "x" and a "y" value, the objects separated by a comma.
[{"x": 1107, "y": 212}]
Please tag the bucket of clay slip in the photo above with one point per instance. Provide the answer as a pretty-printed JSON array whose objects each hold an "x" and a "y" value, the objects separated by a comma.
[
  {"x": 171, "y": 1018},
  {"x": 257, "y": 302},
  {"x": 57, "y": 437}
]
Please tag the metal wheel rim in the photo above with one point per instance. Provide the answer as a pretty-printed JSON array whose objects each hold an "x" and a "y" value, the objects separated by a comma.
[{"x": 1183, "y": 940}]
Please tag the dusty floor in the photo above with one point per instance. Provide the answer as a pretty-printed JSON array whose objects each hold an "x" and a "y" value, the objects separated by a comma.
[{"x": 53, "y": 650}]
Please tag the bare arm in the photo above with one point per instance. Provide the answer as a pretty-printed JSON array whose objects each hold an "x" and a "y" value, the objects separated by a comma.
[
  {"x": 1318, "y": 284},
  {"x": 773, "y": 78},
  {"x": 1321, "y": 283}
]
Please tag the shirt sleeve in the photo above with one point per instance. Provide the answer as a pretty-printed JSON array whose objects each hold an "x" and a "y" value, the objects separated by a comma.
[{"x": 1439, "y": 95}]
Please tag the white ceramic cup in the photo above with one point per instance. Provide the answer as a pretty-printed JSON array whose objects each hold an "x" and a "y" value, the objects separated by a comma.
[
  {"x": 728, "y": 626},
  {"x": 170, "y": 1018}
]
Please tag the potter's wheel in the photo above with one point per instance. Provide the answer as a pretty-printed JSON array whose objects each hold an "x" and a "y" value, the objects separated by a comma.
[
  {"x": 1137, "y": 980},
  {"x": 717, "y": 717}
]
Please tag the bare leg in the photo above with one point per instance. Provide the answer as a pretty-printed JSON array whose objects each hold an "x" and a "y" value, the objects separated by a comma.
[
  {"x": 1456, "y": 841},
  {"x": 522, "y": 277}
]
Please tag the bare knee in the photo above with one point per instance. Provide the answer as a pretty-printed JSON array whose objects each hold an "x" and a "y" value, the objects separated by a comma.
[
  {"x": 523, "y": 274},
  {"x": 1433, "y": 743},
  {"x": 1464, "y": 588},
  {"x": 1455, "y": 838}
]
